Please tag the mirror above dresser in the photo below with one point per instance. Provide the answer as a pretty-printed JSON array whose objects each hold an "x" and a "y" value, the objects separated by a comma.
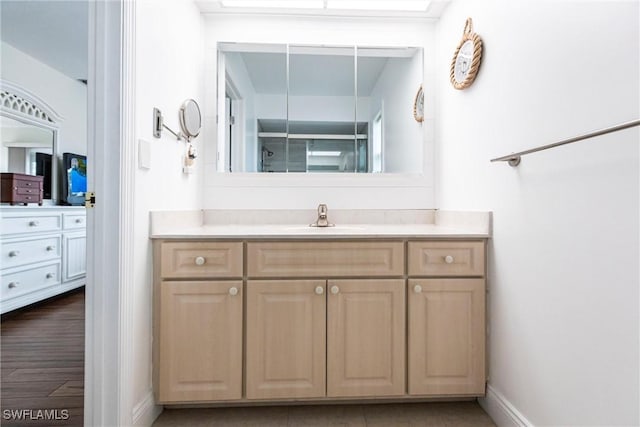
[{"x": 28, "y": 147}]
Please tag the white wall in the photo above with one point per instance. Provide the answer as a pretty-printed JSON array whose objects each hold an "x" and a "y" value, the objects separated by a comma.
[
  {"x": 563, "y": 283},
  {"x": 68, "y": 97},
  {"x": 169, "y": 67},
  {"x": 304, "y": 191}
]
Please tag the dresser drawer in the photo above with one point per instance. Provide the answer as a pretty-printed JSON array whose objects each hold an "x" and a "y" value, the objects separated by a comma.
[
  {"x": 201, "y": 259},
  {"x": 74, "y": 221},
  {"x": 446, "y": 258},
  {"x": 25, "y": 281},
  {"x": 31, "y": 224},
  {"x": 325, "y": 259},
  {"x": 30, "y": 251}
]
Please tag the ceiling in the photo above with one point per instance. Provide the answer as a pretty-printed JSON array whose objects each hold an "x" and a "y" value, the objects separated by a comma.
[{"x": 54, "y": 32}]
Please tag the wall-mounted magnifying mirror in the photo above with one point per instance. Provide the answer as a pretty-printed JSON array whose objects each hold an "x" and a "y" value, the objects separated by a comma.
[
  {"x": 315, "y": 109},
  {"x": 190, "y": 121}
]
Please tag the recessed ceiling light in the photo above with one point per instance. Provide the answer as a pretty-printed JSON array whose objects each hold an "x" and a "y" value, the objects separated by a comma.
[
  {"x": 400, "y": 5},
  {"x": 291, "y": 4},
  {"x": 325, "y": 153}
]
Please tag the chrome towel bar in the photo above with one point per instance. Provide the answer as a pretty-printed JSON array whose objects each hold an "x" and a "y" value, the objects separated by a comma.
[{"x": 515, "y": 158}]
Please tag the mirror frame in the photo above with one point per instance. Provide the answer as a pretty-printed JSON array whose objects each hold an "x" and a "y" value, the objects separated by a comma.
[
  {"x": 20, "y": 104},
  {"x": 182, "y": 115}
]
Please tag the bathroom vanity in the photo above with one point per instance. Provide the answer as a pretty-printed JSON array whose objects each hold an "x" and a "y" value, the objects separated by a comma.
[{"x": 282, "y": 312}]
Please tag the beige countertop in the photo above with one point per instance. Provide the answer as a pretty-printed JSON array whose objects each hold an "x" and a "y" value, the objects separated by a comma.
[{"x": 261, "y": 225}]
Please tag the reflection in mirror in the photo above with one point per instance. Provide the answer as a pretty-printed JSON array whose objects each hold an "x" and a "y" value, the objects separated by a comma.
[
  {"x": 319, "y": 109},
  {"x": 322, "y": 107},
  {"x": 255, "y": 102},
  {"x": 388, "y": 79},
  {"x": 27, "y": 149}
]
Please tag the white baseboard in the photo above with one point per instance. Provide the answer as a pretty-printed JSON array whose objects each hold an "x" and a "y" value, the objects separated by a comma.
[
  {"x": 503, "y": 413},
  {"x": 146, "y": 411}
]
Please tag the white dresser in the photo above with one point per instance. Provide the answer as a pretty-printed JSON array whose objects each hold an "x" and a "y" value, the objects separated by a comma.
[{"x": 43, "y": 253}]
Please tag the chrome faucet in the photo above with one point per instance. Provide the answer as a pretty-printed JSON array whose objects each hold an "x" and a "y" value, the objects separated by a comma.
[{"x": 323, "y": 220}]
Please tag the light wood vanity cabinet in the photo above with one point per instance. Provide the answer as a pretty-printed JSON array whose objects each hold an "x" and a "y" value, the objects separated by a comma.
[
  {"x": 319, "y": 320},
  {"x": 200, "y": 341},
  {"x": 286, "y": 330},
  {"x": 365, "y": 338},
  {"x": 446, "y": 318},
  {"x": 198, "y": 322}
]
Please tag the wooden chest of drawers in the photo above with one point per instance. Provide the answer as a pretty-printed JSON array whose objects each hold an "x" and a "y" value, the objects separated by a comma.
[{"x": 21, "y": 188}]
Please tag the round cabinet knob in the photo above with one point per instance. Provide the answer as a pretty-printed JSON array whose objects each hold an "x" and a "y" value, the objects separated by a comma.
[
  {"x": 50, "y": 276},
  {"x": 13, "y": 285},
  {"x": 233, "y": 291},
  {"x": 449, "y": 259},
  {"x": 335, "y": 290},
  {"x": 14, "y": 253},
  {"x": 319, "y": 290},
  {"x": 78, "y": 220},
  {"x": 417, "y": 289},
  {"x": 33, "y": 223},
  {"x": 50, "y": 248},
  {"x": 200, "y": 260}
]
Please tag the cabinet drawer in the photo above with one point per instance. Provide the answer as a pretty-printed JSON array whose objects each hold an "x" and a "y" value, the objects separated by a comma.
[
  {"x": 201, "y": 259},
  {"x": 446, "y": 258},
  {"x": 74, "y": 222},
  {"x": 30, "y": 251},
  {"x": 30, "y": 224},
  {"x": 28, "y": 191},
  {"x": 23, "y": 282},
  {"x": 325, "y": 259}
]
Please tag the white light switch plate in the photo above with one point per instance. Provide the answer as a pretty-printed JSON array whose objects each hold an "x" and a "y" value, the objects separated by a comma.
[{"x": 144, "y": 154}]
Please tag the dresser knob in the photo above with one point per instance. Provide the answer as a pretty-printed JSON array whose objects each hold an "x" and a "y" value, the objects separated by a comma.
[
  {"x": 14, "y": 253},
  {"x": 319, "y": 290},
  {"x": 78, "y": 220},
  {"x": 335, "y": 290},
  {"x": 233, "y": 291},
  {"x": 13, "y": 285},
  {"x": 50, "y": 248},
  {"x": 50, "y": 276},
  {"x": 33, "y": 223},
  {"x": 200, "y": 260},
  {"x": 417, "y": 289},
  {"x": 449, "y": 259}
]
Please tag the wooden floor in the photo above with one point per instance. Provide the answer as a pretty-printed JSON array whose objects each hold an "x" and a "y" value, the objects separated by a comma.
[{"x": 42, "y": 363}]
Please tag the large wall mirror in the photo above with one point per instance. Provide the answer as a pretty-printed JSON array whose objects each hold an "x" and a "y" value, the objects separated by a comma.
[
  {"x": 294, "y": 108},
  {"x": 28, "y": 134},
  {"x": 26, "y": 149}
]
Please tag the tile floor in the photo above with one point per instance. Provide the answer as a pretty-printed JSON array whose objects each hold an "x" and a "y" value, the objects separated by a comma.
[{"x": 448, "y": 414}]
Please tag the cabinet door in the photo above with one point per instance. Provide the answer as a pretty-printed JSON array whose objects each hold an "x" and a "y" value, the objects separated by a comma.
[
  {"x": 446, "y": 337},
  {"x": 200, "y": 349},
  {"x": 365, "y": 338},
  {"x": 286, "y": 335},
  {"x": 75, "y": 256}
]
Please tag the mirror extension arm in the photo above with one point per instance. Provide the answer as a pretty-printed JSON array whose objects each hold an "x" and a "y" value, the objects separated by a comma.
[{"x": 158, "y": 124}]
